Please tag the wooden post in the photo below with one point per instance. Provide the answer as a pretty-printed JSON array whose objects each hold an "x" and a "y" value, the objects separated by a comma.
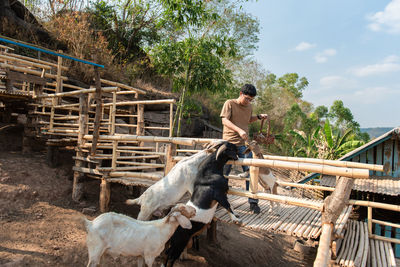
[
  {"x": 131, "y": 120},
  {"x": 114, "y": 156},
  {"x": 254, "y": 172},
  {"x": 257, "y": 154},
  {"x": 171, "y": 118},
  {"x": 370, "y": 221},
  {"x": 98, "y": 115},
  {"x": 140, "y": 120},
  {"x": 77, "y": 187},
  {"x": 170, "y": 153},
  {"x": 113, "y": 112},
  {"x": 333, "y": 206},
  {"x": 105, "y": 192},
  {"x": 58, "y": 79}
]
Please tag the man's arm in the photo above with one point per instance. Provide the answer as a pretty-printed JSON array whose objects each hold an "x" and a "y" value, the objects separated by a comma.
[
  {"x": 232, "y": 126},
  {"x": 258, "y": 117}
]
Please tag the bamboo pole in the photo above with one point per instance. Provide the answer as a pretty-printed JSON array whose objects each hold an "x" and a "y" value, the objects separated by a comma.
[
  {"x": 171, "y": 117},
  {"x": 124, "y": 86},
  {"x": 113, "y": 112},
  {"x": 143, "y": 102},
  {"x": 156, "y": 128},
  {"x": 175, "y": 140},
  {"x": 386, "y": 239},
  {"x": 171, "y": 151},
  {"x": 78, "y": 92},
  {"x": 140, "y": 120},
  {"x": 59, "y": 88},
  {"x": 114, "y": 155},
  {"x": 153, "y": 165},
  {"x": 376, "y": 205},
  {"x": 29, "y": 71},
  {"x": 105, "y": 192},
  {"x": 26, "y": 62},
  {"x": 324, "y": 252},
  {"x": 396, "y": 225},
  {"x": 337, "y": 163},
  {"x": 65, "y": 85},
  {"x": 330, "y": 170},
  {"x": 333, "y": 207},
  {"x": 35, "y": 60},
  {"x": 254, "y": 172},
  {"x": 146, "y": 175},
  {"x": 307, "y": 186},
  {"x": 99, "y": 108},
  {"x": 77, "y": 187},
  {"x": 277, "y": 198}
]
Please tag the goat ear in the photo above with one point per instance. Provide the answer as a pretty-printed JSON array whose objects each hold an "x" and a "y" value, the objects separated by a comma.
[{"x": 184, "y": 222}]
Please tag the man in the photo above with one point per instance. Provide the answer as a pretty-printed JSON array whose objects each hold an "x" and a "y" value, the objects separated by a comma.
[{"x": 236, "y": 116}]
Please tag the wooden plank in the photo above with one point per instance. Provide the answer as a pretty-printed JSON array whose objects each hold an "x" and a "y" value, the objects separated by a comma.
[
  {"x": 397, "y": 246},
  {"x": 379, "y": 157},
  {"x": 371, "y": 159},
  {"x": 363, "y": 157},
  {"x": 13, "y": 75},
  {"x": 396, "y": 159},
  {"x": 387, "y": 157}
]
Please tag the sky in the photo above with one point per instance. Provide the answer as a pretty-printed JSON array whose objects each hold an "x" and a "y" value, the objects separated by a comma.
[{"x": 348, "y": 50}]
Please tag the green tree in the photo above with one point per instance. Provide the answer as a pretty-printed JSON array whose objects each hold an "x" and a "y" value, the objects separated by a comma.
[
  {"x": 195, "y": 60},
  {"x": 293, "y": 84}
]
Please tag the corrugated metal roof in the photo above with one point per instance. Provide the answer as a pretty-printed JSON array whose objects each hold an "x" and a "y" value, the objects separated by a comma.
[
  {"x": 385, "y": 185},
  {"x": 359, "y": 150}
]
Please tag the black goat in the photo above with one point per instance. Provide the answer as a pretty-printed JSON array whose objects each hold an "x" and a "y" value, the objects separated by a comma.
[{"x": 210, "y": 188}]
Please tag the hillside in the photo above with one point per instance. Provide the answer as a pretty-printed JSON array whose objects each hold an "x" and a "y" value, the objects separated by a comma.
[{"x": 376, "y": 131}]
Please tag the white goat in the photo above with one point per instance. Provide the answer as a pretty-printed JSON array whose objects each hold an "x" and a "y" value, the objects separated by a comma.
[
  {"x": 170, "y": 189},
  {"x": 117, "y": 234}
]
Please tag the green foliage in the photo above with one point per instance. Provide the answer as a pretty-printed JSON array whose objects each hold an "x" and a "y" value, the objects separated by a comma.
[
  {"x": 293, "y": 84},
  {"x": 128, "y": 26},
  {"x": 334, "y": 145}
]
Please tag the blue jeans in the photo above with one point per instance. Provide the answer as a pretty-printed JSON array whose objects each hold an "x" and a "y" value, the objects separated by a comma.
[{"x": 227, "y": 168}]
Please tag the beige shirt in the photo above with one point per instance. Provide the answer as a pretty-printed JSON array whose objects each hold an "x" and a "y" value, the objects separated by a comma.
[{"x": 240, "y": 116}]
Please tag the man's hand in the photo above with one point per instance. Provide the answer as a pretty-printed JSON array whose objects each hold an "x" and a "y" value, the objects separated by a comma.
[{"x": 243, "y": 135}]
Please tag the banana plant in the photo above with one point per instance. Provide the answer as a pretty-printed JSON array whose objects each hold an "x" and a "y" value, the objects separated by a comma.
[
  {"x": 333, "y": 145},
  {"x": 305, "y": 145}
]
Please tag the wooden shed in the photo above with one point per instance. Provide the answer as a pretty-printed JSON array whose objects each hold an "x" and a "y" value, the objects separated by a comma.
[{"x": 381, "y": 186}]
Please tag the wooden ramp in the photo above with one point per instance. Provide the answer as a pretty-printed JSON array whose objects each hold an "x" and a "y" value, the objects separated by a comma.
[
  {"x": 290, "y": 220},
  {"x": 357, "y": 249}
]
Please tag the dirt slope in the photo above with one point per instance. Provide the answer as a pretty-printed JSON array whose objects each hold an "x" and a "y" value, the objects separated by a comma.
[{"x": 38, "y": 225}]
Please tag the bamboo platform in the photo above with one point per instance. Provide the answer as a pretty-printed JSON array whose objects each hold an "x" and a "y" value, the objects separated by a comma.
[
  {"x": 299, "y": 222},
  {"x": 357, "y": 249}
]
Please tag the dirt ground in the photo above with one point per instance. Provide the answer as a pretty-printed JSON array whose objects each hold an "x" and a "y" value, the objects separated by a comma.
[{"x": 38, "y": 225}]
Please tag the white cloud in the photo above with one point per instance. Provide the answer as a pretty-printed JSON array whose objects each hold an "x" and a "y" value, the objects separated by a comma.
[
  {"x": 388, "y": 64},
  {"x": 322, "y": 57},
  {"x": 387, "y": 20},
  {"x": 335, "y": 82},
  {"x": 375, "y": 95},
  {"x": 304, "y": 46}
]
